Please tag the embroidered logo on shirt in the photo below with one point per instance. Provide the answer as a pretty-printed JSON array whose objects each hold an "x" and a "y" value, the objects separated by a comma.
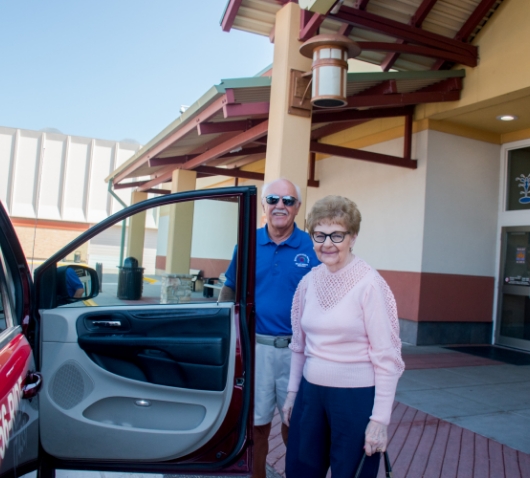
[{"x": 301, "y": 260}]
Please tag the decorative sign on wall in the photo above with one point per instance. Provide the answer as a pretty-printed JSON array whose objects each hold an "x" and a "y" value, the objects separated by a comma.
[
  {"x": 520, "y": 255},
  {"x": 518, "y": 180}
]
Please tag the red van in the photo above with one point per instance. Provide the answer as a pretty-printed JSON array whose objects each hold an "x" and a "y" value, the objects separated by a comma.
[{"x": 92, "y": 382}]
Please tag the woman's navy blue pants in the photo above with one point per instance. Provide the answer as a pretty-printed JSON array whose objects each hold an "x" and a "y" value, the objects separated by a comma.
[{"x": 327, "y": 429}]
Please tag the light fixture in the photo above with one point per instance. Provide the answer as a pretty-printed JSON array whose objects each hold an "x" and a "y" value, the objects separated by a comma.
[
  {"x": 330, "y": 55},
  {"x": 506, "y": 117}
]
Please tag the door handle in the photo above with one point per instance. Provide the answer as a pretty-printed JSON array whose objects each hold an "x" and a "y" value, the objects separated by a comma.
[
  {"x": 107, "y": 323},
  {"x": 33, "y": 385}
]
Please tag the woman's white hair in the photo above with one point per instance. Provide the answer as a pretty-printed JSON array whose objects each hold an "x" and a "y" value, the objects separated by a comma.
[{"x": 267, "y": 185}]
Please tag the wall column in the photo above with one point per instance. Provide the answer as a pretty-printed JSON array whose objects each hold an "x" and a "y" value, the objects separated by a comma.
[
  {"x": 288, "y": 135},
  {"x": 136, "y": 230},
  {"x": 180, "y": 224}
]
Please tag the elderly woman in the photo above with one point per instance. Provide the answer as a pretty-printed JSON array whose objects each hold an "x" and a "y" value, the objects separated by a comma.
[{"x": 346, "y": 358}]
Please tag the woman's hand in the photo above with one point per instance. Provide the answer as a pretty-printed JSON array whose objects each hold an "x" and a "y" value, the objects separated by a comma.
[
  {"x": 287, "y": 408},
  {"x": 375, "y": 438}
]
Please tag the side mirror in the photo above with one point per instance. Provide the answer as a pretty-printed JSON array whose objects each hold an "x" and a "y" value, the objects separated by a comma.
[{"x": 76, "y": 283}]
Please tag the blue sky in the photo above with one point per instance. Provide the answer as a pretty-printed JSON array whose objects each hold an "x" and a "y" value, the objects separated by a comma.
[{"x": 115, "y": 69}]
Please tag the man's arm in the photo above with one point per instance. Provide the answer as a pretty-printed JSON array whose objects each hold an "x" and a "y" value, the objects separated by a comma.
[{"x": 226, "y": 294}]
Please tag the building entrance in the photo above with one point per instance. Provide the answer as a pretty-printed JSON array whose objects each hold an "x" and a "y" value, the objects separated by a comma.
[{"x": 513, "y": 319}]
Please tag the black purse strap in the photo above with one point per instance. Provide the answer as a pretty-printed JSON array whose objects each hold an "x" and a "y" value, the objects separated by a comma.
[{"x": 388, "y": 466}]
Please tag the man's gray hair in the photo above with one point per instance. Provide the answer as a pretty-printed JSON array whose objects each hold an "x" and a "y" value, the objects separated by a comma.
[{"x": 267, "y": 185}]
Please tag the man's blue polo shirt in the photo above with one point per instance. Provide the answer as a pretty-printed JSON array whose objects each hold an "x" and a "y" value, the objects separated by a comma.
[{"x": 279, "y": 269}]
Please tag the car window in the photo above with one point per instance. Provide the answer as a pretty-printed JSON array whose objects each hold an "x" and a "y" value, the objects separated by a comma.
[
  {"x": 7, "y": 294},
  {"x": 170, "y": 254},
  {"x": 6, "y": 310}
]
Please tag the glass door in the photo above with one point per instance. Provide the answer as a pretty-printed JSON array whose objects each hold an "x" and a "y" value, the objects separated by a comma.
[{"x": 513, "y": 324}]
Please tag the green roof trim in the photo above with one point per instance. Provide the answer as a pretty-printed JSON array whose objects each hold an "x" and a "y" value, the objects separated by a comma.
[
  {"x": 211, "y": 95},
  {"x": 252, "y": 82},
  {"x": 265, "y": 81},
  {"x": 406, "y": 75}
]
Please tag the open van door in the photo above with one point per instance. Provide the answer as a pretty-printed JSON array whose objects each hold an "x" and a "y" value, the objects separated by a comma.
[{"x": 145, "y": 373}]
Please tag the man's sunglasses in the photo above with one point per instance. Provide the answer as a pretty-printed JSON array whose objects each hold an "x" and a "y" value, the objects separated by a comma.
[{"x": 275, "y": 199}]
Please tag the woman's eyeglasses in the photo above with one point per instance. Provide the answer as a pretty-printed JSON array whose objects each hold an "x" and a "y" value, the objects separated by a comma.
[
  {"x": 275, "y": 199},
  {"x": 336, "y": 237}
]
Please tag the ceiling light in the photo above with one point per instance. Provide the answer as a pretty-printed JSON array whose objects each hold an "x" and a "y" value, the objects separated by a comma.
[{"x": 506, "y": 117}]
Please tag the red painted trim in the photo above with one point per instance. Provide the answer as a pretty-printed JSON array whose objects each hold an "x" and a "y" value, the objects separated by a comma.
[
  {"x": 230, "y": 15},
  {"x": 158, "y": 191},
  {"x": 361, "y": 4},
  {"x": 402, "y": 99},
  {"x": 240, "y": 140},
  {"x": 345, "y": 29},
  {"x": 362, "y": 155},
  {"x": 230, "y": 96},
  {"x": 209, "y": 267},
  {"x": 337, "y": 116},
  {"x": 456, "y": 298},
  {"x": 223, "y": 148},
  {"x": 246, "y": 109},
  {"x": 416, "y": 21},
  {"x": 401, "y": 47},
  {"x": 406, "y": 287},
  {"x": 389, "y": 60},
  {"x": 407, "y": 137},
  {"x": 230, "y": 172},
  {"x": 155, "y": 162},
  {"x": 400, "y": 30},
  {"x": 131, "y": 184},
  {"x": 160, "y": 262},
  {"x": 246, "y": 152},
  {"x": 474, "y": 19},
  {"x": 312, "y": 166},
  {"x": 431, "y": 297},
  {"x": 333, "y": 128},
  {"x": 49, "y": 224},
  {"x": 421, "y": 13},
  {"x": 225, "y": 127},
  {"x": 251, "y": 158},
  {"x": 311, "y": 27},
  {"x": 174, "y": 160},
  {"x": 445, "y": 360}
]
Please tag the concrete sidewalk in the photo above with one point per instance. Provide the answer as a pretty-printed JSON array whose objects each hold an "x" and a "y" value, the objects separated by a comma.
[{"x": 455, "y": 414}]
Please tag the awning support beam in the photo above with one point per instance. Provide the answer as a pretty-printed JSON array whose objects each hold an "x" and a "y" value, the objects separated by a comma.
[
  {"x": 405, "y": 162},
  {"x": 400, "y": 30},
  {"x": 351, "y": 153},
  {"x": 416, "y": 21},
  {"x": 337, "y": 116}
]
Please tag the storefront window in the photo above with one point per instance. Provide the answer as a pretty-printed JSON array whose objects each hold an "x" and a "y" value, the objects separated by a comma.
[{"x": 518, "y": 180}]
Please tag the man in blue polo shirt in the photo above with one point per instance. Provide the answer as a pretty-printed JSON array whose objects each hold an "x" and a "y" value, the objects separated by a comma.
[{"x": 284, "y": 255}]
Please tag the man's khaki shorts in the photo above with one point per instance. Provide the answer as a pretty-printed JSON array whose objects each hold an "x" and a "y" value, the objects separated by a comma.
[{"x": 271, "y": 378}]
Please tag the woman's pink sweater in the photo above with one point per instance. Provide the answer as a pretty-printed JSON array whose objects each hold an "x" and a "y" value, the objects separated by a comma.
[{"x": 346, "y": 333}]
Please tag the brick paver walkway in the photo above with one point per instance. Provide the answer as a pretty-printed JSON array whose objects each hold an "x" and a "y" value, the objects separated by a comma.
[{"x": 423, "y": 446}]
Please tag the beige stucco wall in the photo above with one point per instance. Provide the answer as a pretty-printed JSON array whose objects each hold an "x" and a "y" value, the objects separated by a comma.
[
  {"x": 460, "y": 205},
  {"x": 503, "y": 72},
  {"x": 391, "y": 201},
  {"x": 439, "y": 218}
]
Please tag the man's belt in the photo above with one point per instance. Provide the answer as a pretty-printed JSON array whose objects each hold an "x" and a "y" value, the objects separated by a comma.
[{"x": 278, "y": 342}]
